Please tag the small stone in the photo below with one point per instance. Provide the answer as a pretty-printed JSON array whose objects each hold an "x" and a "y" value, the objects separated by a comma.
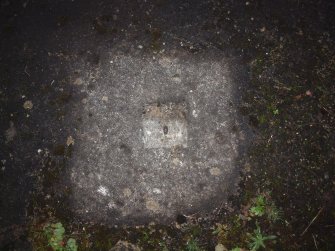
[
  {"x": 157, "y": 191},
  {"x": 140, "y": 47},
  {"x": 78, "y": 81},
  {"x": 152, "y": 205},
  {"x": 124, "y": 245},
  {"x": 28, "y": 105},
  {"x": 309, "y": 93},
  {"x": 127, "y": 192},
  {"x": 10, "y": 132},
  {"x": 69, "y": 141},
  {"x": 215, "y": 171},
  {"x": 105, "y": 98},
  {"x": 176, "y": 78},
  {"x": 220, "y": 247}
]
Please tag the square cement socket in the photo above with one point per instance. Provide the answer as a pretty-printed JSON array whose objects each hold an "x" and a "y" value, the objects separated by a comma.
[{"x": 164, "y": 125}]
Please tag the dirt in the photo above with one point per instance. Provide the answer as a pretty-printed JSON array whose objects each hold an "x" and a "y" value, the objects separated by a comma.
[{"x": 289, "y": 101}]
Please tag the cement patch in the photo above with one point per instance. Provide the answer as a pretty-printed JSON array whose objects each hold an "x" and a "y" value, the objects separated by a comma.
[
  {"x": 164, "y": 126},
  {"x": 159, "y": 136}
]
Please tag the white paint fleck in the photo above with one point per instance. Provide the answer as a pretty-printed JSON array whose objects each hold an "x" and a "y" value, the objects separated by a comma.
[
  {"x": 111, "y": 205},
  {"x": 157, "y": 191},
  {"x": 103, "y": 190}
]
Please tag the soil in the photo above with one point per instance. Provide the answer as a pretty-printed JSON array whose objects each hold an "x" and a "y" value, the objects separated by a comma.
[{"x": 287, "y": 182}]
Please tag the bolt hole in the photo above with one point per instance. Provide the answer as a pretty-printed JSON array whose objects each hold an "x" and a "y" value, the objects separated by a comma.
[{"x": 165, "y": 130}]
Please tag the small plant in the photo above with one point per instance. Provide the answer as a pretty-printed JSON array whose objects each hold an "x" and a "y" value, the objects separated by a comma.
[
  {"x": 220, "y": 230},
  {"x": 192, "y": 245},
  {"x": 259, "y": 206},
  {"x": 263, "y": 206},
  {"x": 274, "y": 214},
  {"x": 163, "y": 246},
  {"x": 257, "y": 239},
  {"x": 236, "y": 249},
  {"x": 55, "y": 235}
]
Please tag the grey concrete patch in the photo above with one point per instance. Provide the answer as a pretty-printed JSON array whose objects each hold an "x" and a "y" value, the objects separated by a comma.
[
  {"x": 164, "y": 126},
  {"x": 159, "y": 136}
]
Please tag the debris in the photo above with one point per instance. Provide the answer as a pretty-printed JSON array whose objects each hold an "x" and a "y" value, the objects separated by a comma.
[
  {"x": 127, "y": 192},
  {"x": 215, "y": 171},
  {"x": 152, "y": 205},
  {"x": 316, "y": 216},
  {"x": 28, "y": 105},
  {"x": 309, "y": 93},
  {"x": 124, "y": 245},
  {"x": 157, "y": 191},
  {"x": 10, "y": 132},
  {"x": 26, "y": 72},
  {"x": 78, "y": 81},
  {"x": 220, "y": 247},
  {"x": 69, "y": 141},
  {"x": 103, "y": 190}
]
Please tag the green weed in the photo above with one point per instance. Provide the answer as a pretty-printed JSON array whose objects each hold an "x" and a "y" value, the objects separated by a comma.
[
  {"x": 257, "y": 240},
  {"x": 192, "y": 245},
  {"x": 273, "y": 213},
  {"x": 55, "y": 236},
  {"x": 259, "y": 206},
  {"x": 263, "y": 206}
]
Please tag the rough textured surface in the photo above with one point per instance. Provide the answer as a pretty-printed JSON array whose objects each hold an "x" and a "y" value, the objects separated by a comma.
[
  {"x": 164, "y": 126},
  {"x": 120, "y": 173},
  {"x": 51, "y": 58}
]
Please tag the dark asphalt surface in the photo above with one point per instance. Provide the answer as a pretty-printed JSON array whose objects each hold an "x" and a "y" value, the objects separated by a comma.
[{"x": 46, "y": 45}]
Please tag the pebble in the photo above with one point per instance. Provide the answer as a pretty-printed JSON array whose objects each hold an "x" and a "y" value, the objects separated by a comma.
[
  {"x": 215, "y": 171},
  {"x": 152, "y": 205},
  {"x": 28, "y": 105},
  {"x": 220, "y": 247}
]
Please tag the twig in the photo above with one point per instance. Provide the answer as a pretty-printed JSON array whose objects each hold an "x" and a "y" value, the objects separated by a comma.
[
  {"x": 316, "y": 245},
  {"x": 316, "y": 216},
  {"x": 25, "y": 71}
]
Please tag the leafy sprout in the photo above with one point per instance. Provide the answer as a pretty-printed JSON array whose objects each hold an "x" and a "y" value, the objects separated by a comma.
[
  {"x": 236, "y": 249},
  {"x": 192, "y": 245},
  {"x": 257, "y": 240},
  {"x": 274, "y": 214},
  {"x": 55, "y": 236},
  {"x": 259, "y": 206}
]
